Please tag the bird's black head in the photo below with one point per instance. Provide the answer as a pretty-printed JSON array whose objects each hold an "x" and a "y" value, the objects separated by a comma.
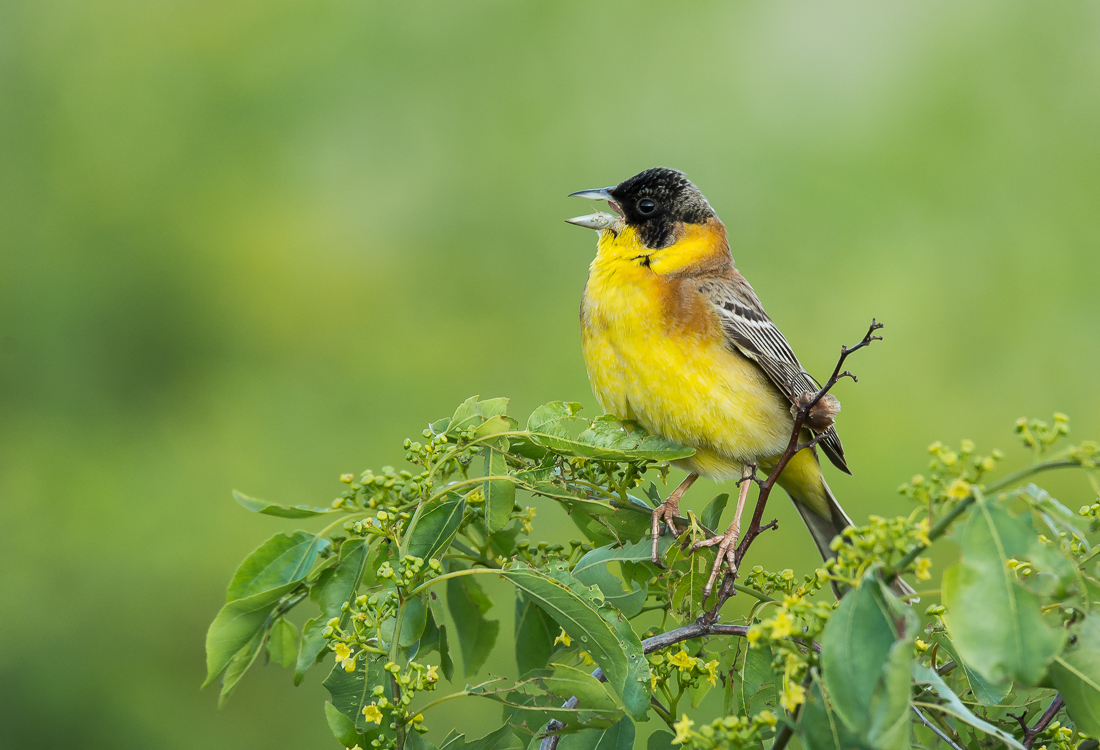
[{"x": 655, "y": 200}]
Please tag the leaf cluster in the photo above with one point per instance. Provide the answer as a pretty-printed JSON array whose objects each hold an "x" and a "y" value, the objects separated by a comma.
[{"x": 604, "y": 638}]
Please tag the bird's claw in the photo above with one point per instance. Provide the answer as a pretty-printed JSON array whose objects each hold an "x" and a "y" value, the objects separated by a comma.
[
  {"x": 727, "y": 551},
  {"x": 666, "y": 512}
]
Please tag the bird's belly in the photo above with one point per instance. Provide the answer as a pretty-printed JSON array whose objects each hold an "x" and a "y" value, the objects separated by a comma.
[{"x": 686, "y": 387}]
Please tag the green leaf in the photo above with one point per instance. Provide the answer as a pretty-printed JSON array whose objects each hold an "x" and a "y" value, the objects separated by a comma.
[
  {"x": 606, "y": 439},
  {"x": 865, "y": 663},
  {"x": 282, "y": 511},
  {"x": 343, "y": 728},
  {"x": 468, "y": 605},
  {"x": 594, "y": 528},
  {"x": 568, "y": 681},
  {"x": 985, "y": 692},
  {"x": 282, "y": 643},
  {"x": 493, "y": 407},
  {"x": 539, "y": 698},
  {"x": 712, "y": 514},
  {"x": 465, "y": 416},
  {"x": 500, "y": 494},
  {"x": 592, "y": 570},
  {"x": 351, "y": 691},
  {"x": 503, "y": 543},
  {"x": 550, "y": 417},
  {"x": 435, "y": 639},
  {"x": 994, "y": 621},
  {"x": 311, "y": 647},
  {"x": 337, "y": 585},
  {"x": 1060, "y": 515},
  {"x": 1076, "y": 675},
  {"x": 453, "y": 741},
  {"x": 692, "y": 571},
  {"x": 757, "y": 688},
  {"x": 599, "y": 628},
  {"x": 240, "y": 664},
  {"x": 501, "y": 739},
  {"x": 568, "y": 497},
  {"x": 952, "y": 705},
  {"x": 236, "y": 625},
  {"x": 330, "y": 591},
  {"x": 618, "y": 736},
  {"x": 414, "y": 619},
  {"x": 660, "y": 740},
  {"x": 495, "y": 426},
  {"x": 433, "y": 526},
  {"x": 416, "y": 741},
  {"x": 278, "y": 561},
  {"x": 821, "y": 728},
  {"x": 534, "y": 635}
]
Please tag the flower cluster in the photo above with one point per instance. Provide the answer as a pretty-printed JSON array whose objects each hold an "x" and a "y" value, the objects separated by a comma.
[
  {"x": 1087, "y": 455},
  {"x": 1058, "y": 737},
  {"x": 388, "y": 489},
  {"x": 384, "y": 523},
  {"x": 1092, "y": 512},
  {"x": 951, "y": 475},
  {"x": 363, "y": 631},
  {"x": 544, "y": 553},
  {"x": 688, "y": 670},
  {"x": 410, "y": 572},
  {"x": 729, "y": 732},
  {"x": 783, "y": 582},
  {"x": 797, "y": 623},
  {"x": 882, "y": 541},
  {"x": 446, "y": 452},
  {"x": 381, "y": 710},
  {"x": 1040, "y": 436}
]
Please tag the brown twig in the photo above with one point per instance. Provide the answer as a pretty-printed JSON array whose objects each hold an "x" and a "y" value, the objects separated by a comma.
[
  {"x": 755, "y": 528},
  {"x": 1043, "y": 722}
]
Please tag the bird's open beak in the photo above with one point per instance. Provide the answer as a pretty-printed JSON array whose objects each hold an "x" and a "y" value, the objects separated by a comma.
[
  {"x": 599, "y": 194},
  {"x": 599, "y": 220}
]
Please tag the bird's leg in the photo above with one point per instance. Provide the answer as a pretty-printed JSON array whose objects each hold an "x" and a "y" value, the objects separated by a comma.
[
  {"x": 668, "y": 510},
  {"x": 727, "y": 543}
]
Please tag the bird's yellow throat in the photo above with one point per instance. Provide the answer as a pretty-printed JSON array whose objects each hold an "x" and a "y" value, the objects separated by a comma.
[{"x": 694, "y": 243}]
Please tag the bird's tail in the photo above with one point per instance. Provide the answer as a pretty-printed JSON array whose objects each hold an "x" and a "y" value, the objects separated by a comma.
[
  {"x": 819, "y": 508},
  {"x": 823, "y": 528}
]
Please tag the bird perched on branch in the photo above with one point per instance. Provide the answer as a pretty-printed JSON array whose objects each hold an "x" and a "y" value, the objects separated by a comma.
[{"x": 675, "y": 339}]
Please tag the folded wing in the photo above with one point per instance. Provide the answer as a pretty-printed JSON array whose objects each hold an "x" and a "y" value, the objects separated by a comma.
[{"x": 751, "y": 332}]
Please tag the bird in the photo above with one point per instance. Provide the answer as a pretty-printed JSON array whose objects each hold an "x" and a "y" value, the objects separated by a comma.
[{"x": 675, "y": 339}]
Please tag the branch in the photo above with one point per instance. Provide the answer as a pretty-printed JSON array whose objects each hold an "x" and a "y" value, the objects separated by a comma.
[
  {"x": 935, "y": 729},
  {"x": 1044, "y": 721},
  {"x": 755, "y": 527},
  {"x": 945, "y": 522}
]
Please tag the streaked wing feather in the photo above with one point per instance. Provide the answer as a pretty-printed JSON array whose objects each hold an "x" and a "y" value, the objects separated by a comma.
[{"x": 752, "y": 332}]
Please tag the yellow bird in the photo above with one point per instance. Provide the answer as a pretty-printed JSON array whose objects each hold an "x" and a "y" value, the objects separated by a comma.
[{"x": 675, "y": 339}]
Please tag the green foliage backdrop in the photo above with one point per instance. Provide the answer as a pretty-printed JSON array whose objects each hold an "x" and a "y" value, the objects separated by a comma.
[{"x": 243, "y": 243}]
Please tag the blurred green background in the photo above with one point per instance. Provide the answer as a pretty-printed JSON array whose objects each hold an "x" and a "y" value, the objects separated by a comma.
[{"x": 255, "y": 244}]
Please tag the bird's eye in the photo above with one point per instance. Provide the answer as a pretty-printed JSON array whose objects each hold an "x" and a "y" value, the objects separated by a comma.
[{"x": 646, "y": 206}]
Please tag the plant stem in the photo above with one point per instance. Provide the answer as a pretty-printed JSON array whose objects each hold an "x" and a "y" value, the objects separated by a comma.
[
  {"x": 475, "y": 480},
  {"x": 455, "y": 574},
  {"x": 753, "y": 592},
  {"x": 942, "y": 525},
  {"x": 935, "y": 729},
  {"x": 444, "y": 699}
]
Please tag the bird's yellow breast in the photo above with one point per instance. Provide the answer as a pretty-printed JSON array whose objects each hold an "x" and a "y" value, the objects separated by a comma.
[{"x": 656, "y": 353}]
